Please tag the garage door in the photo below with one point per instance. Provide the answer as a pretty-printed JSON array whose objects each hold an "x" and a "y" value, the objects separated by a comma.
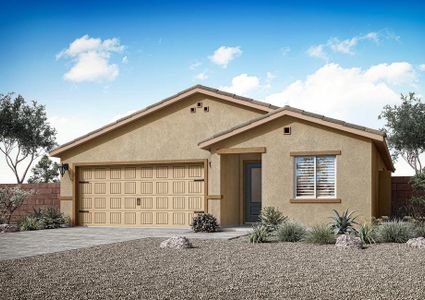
[{"x": 147, "y": 195}]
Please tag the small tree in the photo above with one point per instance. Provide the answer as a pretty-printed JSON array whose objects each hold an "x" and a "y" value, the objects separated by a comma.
[
  {"x": 24, "y": 133},
  {"x": 405, "y": 129},
  {"x": 10, "y": 200},
  {"x": 45, "y": 171}
]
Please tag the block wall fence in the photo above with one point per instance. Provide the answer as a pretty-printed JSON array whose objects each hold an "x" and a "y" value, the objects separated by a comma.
[{"x": 46, "y": 195}]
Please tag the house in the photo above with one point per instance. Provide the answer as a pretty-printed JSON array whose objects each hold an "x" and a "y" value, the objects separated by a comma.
[{"x": 205, "y": 150}]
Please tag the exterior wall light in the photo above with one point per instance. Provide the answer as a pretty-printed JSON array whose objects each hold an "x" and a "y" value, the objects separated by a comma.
[{"x": 63, "y": 168}]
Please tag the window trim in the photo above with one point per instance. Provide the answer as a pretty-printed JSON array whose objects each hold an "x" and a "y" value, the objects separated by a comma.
[{"x": 314, "y": 198}]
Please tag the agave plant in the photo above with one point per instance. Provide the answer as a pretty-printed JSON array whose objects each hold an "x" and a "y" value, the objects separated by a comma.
[
  {"x": 259, "y": 234},
  {"x": 344, "y": 223},
  {"x": 271, "y": 218},
  {"x": 367, "y": 233}
]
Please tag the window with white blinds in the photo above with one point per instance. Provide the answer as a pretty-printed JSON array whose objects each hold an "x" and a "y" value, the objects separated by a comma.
[{"x": 315, "y": 176}]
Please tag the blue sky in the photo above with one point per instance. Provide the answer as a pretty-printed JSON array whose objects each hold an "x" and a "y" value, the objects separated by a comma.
[{"x": 345, "y": 59}]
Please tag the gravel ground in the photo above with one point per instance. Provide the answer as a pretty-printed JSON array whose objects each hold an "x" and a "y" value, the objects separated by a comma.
[{"x": 217, "y": 269}]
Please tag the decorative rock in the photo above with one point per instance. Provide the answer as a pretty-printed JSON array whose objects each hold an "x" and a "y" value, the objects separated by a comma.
[
  {"x": 346, "y": 241},
  {"x": 176, "y": 242},
  {"x": 8, "y": 228},
  {"x": 418, "y": 243}
]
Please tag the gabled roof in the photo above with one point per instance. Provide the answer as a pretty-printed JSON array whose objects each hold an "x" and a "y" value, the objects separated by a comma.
[
  {"x": 225, "y": 96},
  {"x": 378, "y": 137}
]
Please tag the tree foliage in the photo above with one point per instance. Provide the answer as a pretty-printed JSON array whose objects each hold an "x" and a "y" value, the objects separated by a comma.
[
  {"x": 45, "y": 171},
  {"x": 10, "y": 200},
  {"x": 25, "y": 133},
  {"x": 404, "y": 127}
]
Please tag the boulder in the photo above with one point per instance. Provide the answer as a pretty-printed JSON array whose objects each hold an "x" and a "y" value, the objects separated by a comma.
[
  {"x": 176, "y": 242},
  {"x": 346, "y": 241},
  {"x": 8, "y": 228},
  {"x": 418, "y": 243}
]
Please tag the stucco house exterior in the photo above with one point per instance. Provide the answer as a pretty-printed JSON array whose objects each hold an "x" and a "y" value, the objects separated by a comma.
[{"x": 205, "y": 150}]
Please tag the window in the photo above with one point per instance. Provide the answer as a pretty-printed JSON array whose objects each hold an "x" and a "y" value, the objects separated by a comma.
[{"x": 315, "y": 177}]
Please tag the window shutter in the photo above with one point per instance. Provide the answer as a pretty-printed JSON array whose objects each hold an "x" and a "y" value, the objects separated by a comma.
[
  {"x": 305, "y": 176},
  {"x": 325, "y": 176}
]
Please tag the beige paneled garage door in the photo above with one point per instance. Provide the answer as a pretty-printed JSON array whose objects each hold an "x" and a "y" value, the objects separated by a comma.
[{"x": 147, "y": 195}]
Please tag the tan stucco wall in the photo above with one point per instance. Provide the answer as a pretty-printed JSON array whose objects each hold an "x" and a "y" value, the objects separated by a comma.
[
  {"x": 169, "y": 134},
  {"x": 381, "y": 186},
  {"x": 354, "y": 167}
]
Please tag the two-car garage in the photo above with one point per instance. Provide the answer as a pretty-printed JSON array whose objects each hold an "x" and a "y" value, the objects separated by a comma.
[{"x": 140, "y": 195}]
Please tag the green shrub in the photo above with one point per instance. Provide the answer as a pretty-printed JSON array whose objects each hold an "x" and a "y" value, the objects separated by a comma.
[
  {"x": 50, "y": 217},
  {"x": 367, "y": 233},
  {"x": 290, "y": 232},
  {"x": 395, "y": 232},
  {"x": 271, "y": 218},
  {"x": 30, "y": 223},
  {"x": 204, "y": 223},
  {"x": 419, "y": 229},
  {"x": 259, "y": 234},
  {"x": 343, "y": 223},
  {"x": 47, "y": 218},
  {"x": 320, "y": 234},
  {"x": 10, "y": 200}
]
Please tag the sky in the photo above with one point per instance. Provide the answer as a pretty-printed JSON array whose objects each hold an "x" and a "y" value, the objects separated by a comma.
[{"x": 91, "y": 62}]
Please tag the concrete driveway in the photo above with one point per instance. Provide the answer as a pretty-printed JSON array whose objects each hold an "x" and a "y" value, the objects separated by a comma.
[{"x": 30, "y": 243}]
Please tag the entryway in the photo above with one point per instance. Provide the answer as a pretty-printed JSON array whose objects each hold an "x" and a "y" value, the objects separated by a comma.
[
  {"x": 240, "y": 187},
  {"x": 252, "y": 191}
]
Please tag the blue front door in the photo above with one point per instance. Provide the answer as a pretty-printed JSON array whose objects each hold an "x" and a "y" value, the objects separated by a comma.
[{"x": 252, "y": 191}]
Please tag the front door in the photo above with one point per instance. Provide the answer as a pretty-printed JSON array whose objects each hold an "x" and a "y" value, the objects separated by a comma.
[{"x": 252, "y": 188}]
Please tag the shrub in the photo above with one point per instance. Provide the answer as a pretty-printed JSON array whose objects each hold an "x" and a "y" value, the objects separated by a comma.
[
  {"x": 343, "y": 223},
  {"x": 30, "y": 223},
  {"x": 320, "y": 234},
  {"x": 10, "y": 200},
  {"x": 419, "y": 229},
  {"x": 271, "y": 218},
  {"x": 367, "y": 233},
  {"x": 204, "y": 223},
  {"x": 395, "y": 232},
  {"x": 50, "y": 217},
  {"x": 290, "y": 232},
  {"x": 259, "y": 234}
]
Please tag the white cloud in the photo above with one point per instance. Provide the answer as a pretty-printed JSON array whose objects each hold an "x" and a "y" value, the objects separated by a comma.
[
  {"x": 195, "y": 65},
  {"x": 202, "y": 76},
  {"x": 243, "y": 84},
  {"x": 268, "y": 81},
  {"x": 337, "y": 46},
  {"x": 124, "y": 60},
  {"x": 346, "y": 46},
  {"x": 91, "y": 58},
  {"x": 224, "y": 55},
  {"x": 396, "y": 73},
  {"x": 422, "y": 67},
  {"x": 71, "y": 127},
  {"x": 351, "y": 94},
  {"x": 317, "y": 51},
  {"x": 91, "y": 66}
]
